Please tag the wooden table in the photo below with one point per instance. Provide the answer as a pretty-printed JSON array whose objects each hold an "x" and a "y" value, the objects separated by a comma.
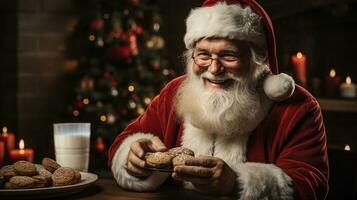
[{"x": 107, "y": 189}]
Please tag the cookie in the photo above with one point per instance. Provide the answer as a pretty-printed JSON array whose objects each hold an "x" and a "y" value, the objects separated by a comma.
[
  {"x": 181, "y": 150},
  {"x": 22, "y": 182},
  {"x": 25, "y": 168},
  {"x": 159, "y": 160},
  {"x": 65, "y": 176},
  {"x": 180, "y": 159},
  {"x": 50, "y": 164},
  {"x": 8, "y": 185},
  {"x": 44, "y": 172},
  {"x": 7, "y": 172},
  {"x": 40, "y": 181}
]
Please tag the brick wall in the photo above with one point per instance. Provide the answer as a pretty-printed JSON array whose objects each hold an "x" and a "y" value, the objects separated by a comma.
[{"x": 43, "y": 26}]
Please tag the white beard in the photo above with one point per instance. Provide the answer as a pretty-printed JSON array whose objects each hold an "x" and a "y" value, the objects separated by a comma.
[{"x": 228, "y": 112}]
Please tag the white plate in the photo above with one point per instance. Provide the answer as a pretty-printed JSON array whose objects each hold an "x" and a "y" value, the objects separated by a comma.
[{"x": 55, "y": 191}]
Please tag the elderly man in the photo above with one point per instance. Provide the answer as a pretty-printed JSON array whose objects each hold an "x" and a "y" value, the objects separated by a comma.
[{"x": 257, "y": 136}]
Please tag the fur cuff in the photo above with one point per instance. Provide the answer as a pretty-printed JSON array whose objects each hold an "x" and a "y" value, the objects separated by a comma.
[
  {"x": 127, "y": 181},
  {"x": 263, "y": 181},
  {"x": 279, "y": 87}
]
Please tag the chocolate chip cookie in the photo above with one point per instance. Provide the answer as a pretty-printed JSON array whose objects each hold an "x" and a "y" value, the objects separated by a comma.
[
  {"x": 25, "y": 168},
  {"x": 65, "y": 176},
  {"x": 50, "y": 164},
  {"x": 22, "y": 182},
  {"x": 2, "y": 181},
  {"x": 7, "y": 172},
  {"x": 159, "y": 160},
  {"x": 44, "y": 172}
]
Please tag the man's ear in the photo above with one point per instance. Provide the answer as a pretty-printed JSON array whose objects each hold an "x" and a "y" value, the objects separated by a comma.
[{"x": 279, "y": 87}]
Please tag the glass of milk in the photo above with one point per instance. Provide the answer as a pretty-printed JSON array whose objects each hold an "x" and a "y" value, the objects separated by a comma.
[{"x": 72, "y": 141}]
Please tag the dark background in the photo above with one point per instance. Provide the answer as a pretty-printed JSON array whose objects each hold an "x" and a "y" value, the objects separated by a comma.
[{"x": 34, "y": 69}]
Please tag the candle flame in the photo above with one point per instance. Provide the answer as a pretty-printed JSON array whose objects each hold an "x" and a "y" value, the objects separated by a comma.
[
  {"x": 348, "y": 80},
  {"x": 21, "y": 144},
  {"x": 299, "y": 55},
  {"x": 4, "y": 129},
  {"x": 347, "y": 147},
  {"x": 332, "y": 73}
]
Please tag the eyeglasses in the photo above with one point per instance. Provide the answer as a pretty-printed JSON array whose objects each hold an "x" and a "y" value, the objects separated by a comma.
[{"x": 204, "y": 59}]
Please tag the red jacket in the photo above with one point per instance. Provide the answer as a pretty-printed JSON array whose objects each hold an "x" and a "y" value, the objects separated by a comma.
[{"x": 292, "y": 137}]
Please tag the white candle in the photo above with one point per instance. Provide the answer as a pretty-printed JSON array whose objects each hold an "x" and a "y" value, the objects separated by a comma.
[{"x": 348, "y": 89}]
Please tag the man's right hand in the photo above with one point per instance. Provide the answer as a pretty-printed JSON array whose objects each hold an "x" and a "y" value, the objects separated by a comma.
[{"x": 136, "y": 156}]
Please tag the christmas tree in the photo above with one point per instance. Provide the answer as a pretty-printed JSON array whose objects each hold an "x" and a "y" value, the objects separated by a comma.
[{"x": 120, "y": 52}]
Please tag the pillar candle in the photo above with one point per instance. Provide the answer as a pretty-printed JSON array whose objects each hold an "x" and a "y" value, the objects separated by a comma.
[
  {"x": 9, "y": 143},
  {"x": 299, "y": 67},
  {"x": 332, "y": 83},
  {"x": 348, "y": 89},
  {"x": 21, "y": 153},
  {"x": 2, "y": 153}
]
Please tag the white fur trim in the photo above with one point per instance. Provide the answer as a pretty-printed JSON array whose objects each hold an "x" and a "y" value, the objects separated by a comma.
[
  {"x": 127, "y": 181},
  {"x": 279, "y": 87},
  {"x": 227, "y": 21},
  {"x": 263, "y": 181}
]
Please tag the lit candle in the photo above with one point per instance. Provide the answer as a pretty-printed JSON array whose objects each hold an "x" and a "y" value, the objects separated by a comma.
[
  {"x": 347, "y": 147},
  {"x": 21, "y": 153},
  {"x": 9, "y": 142},
  {"x": 332, "y": 82},
  {"x": 348, "y": 89},
  {"x": 299, "y": 66}
]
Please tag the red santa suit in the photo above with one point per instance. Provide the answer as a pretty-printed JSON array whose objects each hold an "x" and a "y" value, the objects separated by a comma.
[{"x": 284, "y": 157}]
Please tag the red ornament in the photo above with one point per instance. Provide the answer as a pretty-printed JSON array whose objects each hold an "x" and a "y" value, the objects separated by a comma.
[
  {"x": 99, "y": 145},
  {"x": 97, "y": 24},
  {"x": 119, "y": 52},
  {"x": 138, "y": 30}
]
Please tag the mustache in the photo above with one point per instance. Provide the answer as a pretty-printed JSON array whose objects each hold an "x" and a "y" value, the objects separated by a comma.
[{"x": 220, "y": 77}]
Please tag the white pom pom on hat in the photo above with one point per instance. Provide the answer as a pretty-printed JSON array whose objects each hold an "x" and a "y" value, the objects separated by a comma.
[{"x": 243, "y": 20}]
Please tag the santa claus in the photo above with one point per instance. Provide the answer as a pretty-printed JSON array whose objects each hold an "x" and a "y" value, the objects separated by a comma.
[{"x": 257, "y": 135}]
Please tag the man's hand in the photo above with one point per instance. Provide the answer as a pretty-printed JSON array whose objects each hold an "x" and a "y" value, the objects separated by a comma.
[
  {"x": 208, "y": 174},
  {"x": 136, "y": 160}
]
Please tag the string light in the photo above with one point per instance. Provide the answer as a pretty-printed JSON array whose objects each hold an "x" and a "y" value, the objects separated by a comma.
[
  {"x": 140, "y": 110},
  {"x": 91, "y": 37},
  {"x": 76, "y": 113},
  {"x": 156, "y": 26},
  {"x": 103, "y": 118},
  {"x": 147, "y": 100},
  {"x": 132, "y": 104},
  {"x": 85, "y": 101},
  {"x": 165, "y": 72},
  {"x": 131, "y": 88}
]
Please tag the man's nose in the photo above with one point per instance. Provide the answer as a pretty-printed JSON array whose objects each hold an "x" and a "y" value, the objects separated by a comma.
[{"x": 215, "y": 67}]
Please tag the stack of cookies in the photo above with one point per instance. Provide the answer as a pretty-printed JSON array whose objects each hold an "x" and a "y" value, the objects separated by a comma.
[
  {"x": 169, "y": 159},
  {"x": 23, "y": 175}
]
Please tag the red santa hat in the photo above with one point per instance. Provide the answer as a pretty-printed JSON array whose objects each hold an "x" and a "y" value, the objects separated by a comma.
[{"x": 244, "y": 20}]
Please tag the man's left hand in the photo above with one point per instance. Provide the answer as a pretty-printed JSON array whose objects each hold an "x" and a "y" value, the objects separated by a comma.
[{"x": 208, "y": 174}]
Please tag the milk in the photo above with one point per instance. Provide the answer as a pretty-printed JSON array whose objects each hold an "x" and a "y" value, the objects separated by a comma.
[{"x": 72, "y": 142}]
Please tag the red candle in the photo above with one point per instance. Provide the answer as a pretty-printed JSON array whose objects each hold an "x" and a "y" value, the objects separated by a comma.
[
  {"x": 22, "y": 153},
  {"x": 2, "y": 153},
  {"x": 332, "y": 83},
  {"x": 299, "y": 67},
  {"x": 9, "y": 142}
]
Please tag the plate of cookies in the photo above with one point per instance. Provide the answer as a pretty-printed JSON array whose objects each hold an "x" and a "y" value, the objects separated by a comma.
[
  {"x": 48, "y": 179},
  {"x": 166, "y": 161}
]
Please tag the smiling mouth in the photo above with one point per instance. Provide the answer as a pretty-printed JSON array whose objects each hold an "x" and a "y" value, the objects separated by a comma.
[{"x": 218, "y": 83}]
